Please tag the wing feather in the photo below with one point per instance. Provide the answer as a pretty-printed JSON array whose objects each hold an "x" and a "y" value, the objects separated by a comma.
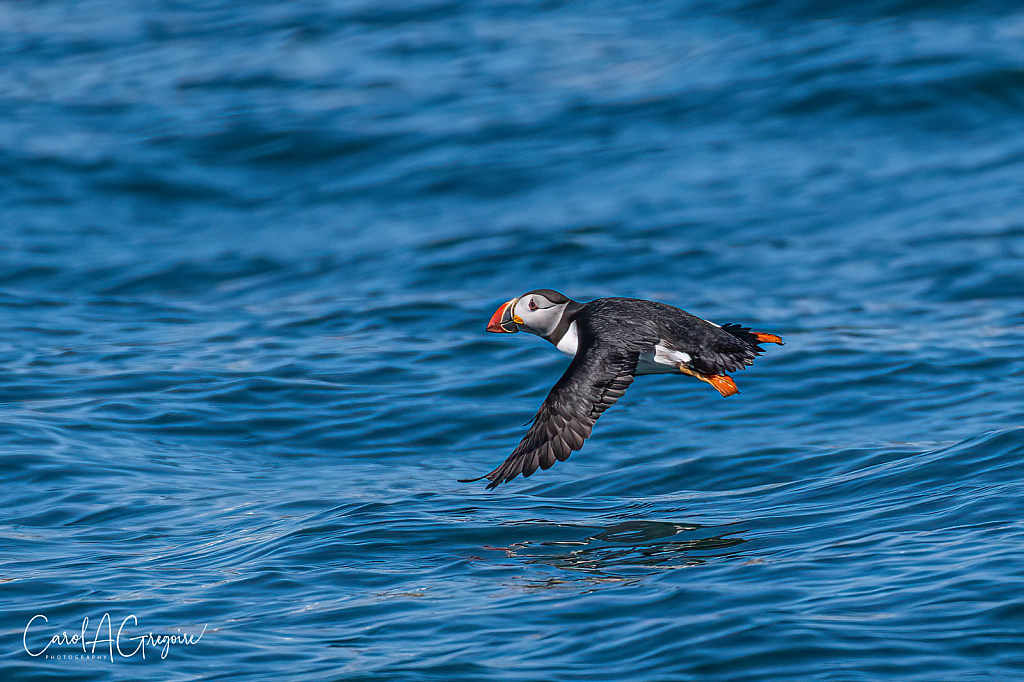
[{"x": 598, "y": 376}]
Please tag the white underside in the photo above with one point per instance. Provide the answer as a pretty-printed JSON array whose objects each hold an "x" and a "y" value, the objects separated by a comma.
[
  {"x": 569, "y": 341},
  {"x": 661, "y": 360}
]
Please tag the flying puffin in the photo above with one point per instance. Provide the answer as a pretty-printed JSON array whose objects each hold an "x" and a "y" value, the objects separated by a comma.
[{"x": 611, "y": 340}]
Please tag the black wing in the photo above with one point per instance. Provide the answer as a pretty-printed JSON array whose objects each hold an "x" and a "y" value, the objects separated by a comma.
[{"x": 596, "y": 378}]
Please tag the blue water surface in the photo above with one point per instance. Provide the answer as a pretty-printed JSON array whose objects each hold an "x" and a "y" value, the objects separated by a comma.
[{"x": 248, "y": 251}]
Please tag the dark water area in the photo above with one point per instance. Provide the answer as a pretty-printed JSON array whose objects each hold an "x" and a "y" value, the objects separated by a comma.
[{"x": 248, "y": 251}]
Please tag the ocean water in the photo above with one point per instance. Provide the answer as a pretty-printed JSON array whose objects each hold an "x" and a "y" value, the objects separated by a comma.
[{"x": 248, "y": 251}]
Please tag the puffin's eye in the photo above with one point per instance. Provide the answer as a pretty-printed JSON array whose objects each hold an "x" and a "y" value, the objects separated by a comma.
[{"x": 533, "y": 306}]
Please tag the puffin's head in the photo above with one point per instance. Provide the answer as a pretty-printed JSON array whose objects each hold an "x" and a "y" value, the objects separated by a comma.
[{"x": 537, "y": 312}]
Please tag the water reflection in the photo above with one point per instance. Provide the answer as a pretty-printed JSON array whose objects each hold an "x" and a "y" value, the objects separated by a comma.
[{"x": 626, "y": 551}]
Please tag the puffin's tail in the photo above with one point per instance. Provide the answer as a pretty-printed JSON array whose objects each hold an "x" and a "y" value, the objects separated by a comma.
[
  {"x": 723, "y": 383},
  {"x": 753, "y": 338}
]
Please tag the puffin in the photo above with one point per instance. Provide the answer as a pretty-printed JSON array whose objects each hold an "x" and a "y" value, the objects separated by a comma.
[{"x": 611, "y": 341}]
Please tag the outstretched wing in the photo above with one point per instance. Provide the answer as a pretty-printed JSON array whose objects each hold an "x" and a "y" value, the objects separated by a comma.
[{"x": 596, "y": 378}]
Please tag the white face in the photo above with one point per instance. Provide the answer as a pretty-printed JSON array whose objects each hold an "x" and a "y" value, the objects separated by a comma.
[{"x": 539, "y": 315}]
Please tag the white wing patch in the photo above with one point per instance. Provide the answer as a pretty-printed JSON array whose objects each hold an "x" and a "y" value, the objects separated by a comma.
[{"x": 662, "y": 360}]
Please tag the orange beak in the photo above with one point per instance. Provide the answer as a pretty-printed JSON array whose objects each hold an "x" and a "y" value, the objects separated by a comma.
[{"x": 504, "y": 321}]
